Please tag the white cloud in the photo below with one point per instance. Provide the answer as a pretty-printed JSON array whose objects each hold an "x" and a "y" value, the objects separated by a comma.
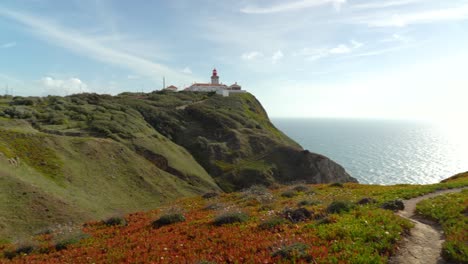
[
  {"x": 8, "y": 45},
  {"x": 187, "y": 70},
  {"x": 384, "y": 4},
  {"x": 63, "y": 87},
  {"x": 356, "y": 44},
  {"x": 340, "y": 49},
  {"x": 319, "y": 53},
  {"x": 79, "y": 43},
  {"x": 278, "y": 55},
  {"x": 252, "y": 55},
  {"x": 417, "y": 17},
  {"x": 291, "y": 6},
  {"x": 397, "y": 38}
]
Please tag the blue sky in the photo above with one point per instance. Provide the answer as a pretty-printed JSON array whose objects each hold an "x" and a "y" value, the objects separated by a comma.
[{"x": 301, "y": 58}]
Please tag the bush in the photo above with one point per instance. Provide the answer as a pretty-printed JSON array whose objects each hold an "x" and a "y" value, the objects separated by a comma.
[
  {"x": 115, "y": 220},
  {"x": 294, "y": 252},
  {"x": 230, "y": 218},
  {"x": 337, "y": 207},
  {"x": 272, "y": 223},
  {"x": 168, "y": 219},
  {"x": 301, "y": 188},
  {"x": 394, "y": 205},
  {"x": 298, "y": 215},
  {"x": 20, "y": 250},
  {"x": 209, "y": 195},
  {"x": 307, "y": 202},
  {"x": 66, "y": 242},
  {"x": 289, "y": 194},
  {"x": 337, "y": 184},
  {"x": 260, "y": 193},
  {"x": 366, "y": 200}
]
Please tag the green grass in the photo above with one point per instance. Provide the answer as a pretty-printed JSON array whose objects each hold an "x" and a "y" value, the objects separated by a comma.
[
  {"x": 96, "y": 182},
  {"x": 450, "y": 211}
]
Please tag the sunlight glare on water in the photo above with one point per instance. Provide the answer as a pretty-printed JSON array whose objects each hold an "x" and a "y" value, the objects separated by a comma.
[{"x": 385, "y": 152}]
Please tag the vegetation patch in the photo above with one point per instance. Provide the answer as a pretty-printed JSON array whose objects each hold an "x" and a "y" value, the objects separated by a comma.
[
  {"x": 168, "y": 219},
  {"x": 297, "y": 215},
  {"x": 337, "y": 207},
  {"x": 451, "y": 211},
  {"x": 365, "y": 234},
  {"x": 289, "y": 194},
  {"x": 395, "y": 205},
  {"x": 272, "y": 223},
  {"x": 230, "y": 218},
  {"x": 115, "y": 221},
  {"x": 294, "y": 252},
  {"x": 210, "y": 195}
]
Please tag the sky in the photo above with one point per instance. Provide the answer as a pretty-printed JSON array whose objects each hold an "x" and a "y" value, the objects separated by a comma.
[{"x": 392, "y": 59}]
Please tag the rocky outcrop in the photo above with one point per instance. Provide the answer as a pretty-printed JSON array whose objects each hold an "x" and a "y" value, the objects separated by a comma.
[{"x": 302, "y": 165}]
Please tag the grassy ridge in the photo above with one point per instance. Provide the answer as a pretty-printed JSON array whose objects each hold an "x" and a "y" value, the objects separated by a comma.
[{"x": 257, "y": 225}]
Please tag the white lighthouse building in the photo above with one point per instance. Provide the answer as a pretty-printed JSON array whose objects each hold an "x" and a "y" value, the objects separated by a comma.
[{"x": 215, "y": 86}]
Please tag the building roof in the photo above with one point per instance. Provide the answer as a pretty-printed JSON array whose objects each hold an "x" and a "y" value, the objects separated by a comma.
[
  {"x": 171, "y": 87},
  {"x": 207, "y": 84}
]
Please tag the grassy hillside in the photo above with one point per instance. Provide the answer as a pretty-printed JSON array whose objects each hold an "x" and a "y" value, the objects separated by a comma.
[
  {"x": 86, "y": 156},
  {"x": 335, "y": 223},
  {"x": 61, "y": 179}
]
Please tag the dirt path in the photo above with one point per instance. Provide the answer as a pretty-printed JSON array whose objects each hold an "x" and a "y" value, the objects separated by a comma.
[{"x": 425, "y": 243}]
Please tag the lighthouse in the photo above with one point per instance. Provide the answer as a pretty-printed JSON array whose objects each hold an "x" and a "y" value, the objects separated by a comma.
[{"x": 215, "y": 78}]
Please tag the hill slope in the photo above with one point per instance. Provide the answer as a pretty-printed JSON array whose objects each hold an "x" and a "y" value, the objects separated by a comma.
[
  {"x": 292, "y": 224},
  {"x": 88, "y": 156}
]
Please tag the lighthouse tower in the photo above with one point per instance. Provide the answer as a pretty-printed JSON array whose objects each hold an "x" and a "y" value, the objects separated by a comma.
[{"x": 215, "y": 78}]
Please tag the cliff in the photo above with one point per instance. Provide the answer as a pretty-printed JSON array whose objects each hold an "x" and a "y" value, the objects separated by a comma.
[{"x": 88, "y": 156}]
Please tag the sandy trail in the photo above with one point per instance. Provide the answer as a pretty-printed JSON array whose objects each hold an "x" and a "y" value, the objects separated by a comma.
[{"x": 424, "y": 245}]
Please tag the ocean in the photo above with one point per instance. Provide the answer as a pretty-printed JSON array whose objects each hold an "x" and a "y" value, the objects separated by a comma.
[{"x": 384, "y": 152}]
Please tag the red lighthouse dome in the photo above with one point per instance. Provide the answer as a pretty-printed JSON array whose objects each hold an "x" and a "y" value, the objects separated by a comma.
[{"x": 215, "y": 73}]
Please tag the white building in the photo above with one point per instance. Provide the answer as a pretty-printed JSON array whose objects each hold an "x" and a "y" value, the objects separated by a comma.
[
  {"x": 215, "y": 86},
  {"x": 171, "y": 88}
]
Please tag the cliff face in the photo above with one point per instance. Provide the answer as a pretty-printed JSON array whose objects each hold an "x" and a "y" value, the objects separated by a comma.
[
  {"x": 234, "y": 140},
  {"x": 87, "y": 156}
]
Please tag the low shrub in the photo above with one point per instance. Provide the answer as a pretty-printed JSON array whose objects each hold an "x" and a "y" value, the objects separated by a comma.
[
  {"x": 115, "y": 220},
  {"x": 272, "y": 223},
  {"x": 260, "y": 193},
  {"x": 294, "y": 252},
  {"x": 297, "y": 215},
  {"x": 336, "y": 184},
  {"x": 289, "y": 194},
  {"x": 394, "y": 205},
  {"x": 301, "y": 188},
  {"x": 337, "y": 207},
  {"x": 307, "y": 202},
  {"x": 72, "y": 239},
  {"x": 230, "y": 218},
  {"x": 168, "y": 219},
  {"x": 209, "y": 195},
  {"x": 366, "y": 200},
  {"x": 19, "y": 250}
]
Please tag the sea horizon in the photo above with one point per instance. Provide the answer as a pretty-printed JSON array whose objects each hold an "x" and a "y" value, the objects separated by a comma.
[{"x": 382, "y": 151}]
